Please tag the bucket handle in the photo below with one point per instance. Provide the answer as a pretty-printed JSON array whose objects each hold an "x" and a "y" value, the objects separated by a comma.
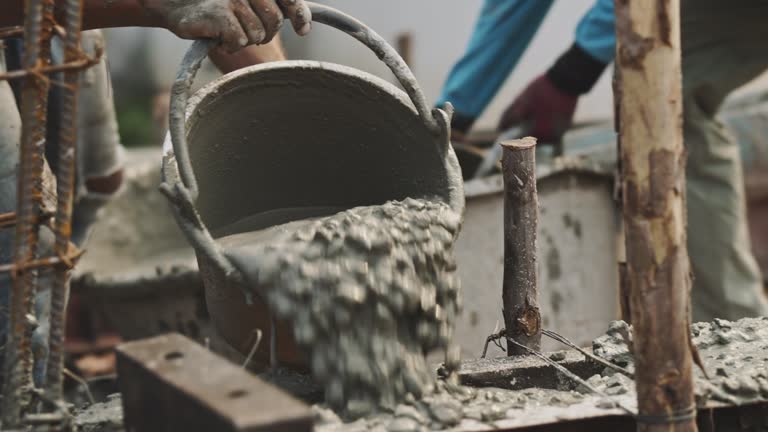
[{"x": 180, "y": 187}]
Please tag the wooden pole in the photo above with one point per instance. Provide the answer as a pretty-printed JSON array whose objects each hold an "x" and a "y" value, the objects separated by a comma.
[
  {"x": 521, "y": 216},
  {"x": 653, "y": 188},
  {"x": 624, "y": 309}
]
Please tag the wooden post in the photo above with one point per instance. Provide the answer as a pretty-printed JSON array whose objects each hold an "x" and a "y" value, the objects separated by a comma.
[
  {"x": 653, "y": 190},
  {"x": 624, "y": 309},
  {"x": 521, "y": 216},
  {"x": 405, "y": 47}
]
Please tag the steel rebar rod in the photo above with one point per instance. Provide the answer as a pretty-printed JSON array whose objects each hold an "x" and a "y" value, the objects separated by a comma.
[
  {"x": 7, "y": 219},
  {"x": 41, "y": 263},
  {"x": 38, "y": 28},
  {"x": 591, "y": 356},
  {"x": 14, "y": 31},
  {"x": 65, "y": 180},
  {"x": 83, "y": 62},
  {"x": 568, "y": 374}
]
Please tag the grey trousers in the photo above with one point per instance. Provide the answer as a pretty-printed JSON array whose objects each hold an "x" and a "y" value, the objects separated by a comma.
[{"x": 723, "y": 48}]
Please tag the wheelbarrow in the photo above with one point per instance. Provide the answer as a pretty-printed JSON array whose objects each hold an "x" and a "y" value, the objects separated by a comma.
[{"x": 268, "y": 146}]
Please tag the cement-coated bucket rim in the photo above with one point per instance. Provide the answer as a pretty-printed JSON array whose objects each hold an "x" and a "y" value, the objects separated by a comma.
[{"x": 180, "y": 185}]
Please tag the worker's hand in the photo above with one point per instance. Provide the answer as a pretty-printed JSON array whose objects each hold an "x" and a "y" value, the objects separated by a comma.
[
  {"x": 236, "y": 23},
  {"x": 544, "y": 110}
]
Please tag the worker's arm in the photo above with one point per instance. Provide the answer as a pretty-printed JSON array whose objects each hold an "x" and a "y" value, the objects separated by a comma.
[
  {"x": 501, "y": 35},
  {"x": 546, "y": 107},
  {"x": 596, "y": 33},
  {"x": 255, "y": 54},
  {"x": 235, "y": 23}
]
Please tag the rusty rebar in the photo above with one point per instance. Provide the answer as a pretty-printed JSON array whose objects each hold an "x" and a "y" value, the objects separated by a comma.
[
  {"x": 7, "y": 219},
  {"x": 38, "y": 28},
  {"x": 14, "y": 31},
  {"x": 80, "y": 63},
  {"x": 522, "y": 318},
  {"x": 65, "y": 180},
  {"x": 46, "y": 262}
]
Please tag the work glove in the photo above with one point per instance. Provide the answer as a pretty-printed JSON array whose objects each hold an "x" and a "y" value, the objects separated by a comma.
[
  {"x": 542, "y": 109},
  {"x": 236, "y": 23},
  {"x": 545, "y": 108}
]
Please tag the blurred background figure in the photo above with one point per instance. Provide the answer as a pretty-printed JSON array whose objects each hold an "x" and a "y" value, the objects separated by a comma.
[
  {"x": 501, "y": 36},
  {"x": 727, "y": 280}
]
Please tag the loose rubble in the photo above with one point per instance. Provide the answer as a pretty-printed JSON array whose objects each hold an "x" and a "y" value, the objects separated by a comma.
[
  {"x": 735, "y": 356},
  {"x": 454, "y": 408},
  {"x": 101, "y": 417}
]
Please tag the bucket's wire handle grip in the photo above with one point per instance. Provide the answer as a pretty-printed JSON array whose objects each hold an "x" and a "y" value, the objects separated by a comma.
[{"x": 180, "y": 185}]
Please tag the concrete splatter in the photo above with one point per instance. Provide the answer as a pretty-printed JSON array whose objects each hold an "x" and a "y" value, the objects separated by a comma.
[{"x": 735, "y": 355}]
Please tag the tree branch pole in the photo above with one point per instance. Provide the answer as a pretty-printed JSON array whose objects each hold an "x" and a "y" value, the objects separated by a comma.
[
  {"x": 648, "y": 59},
  {"x": 521, "y": 217}
]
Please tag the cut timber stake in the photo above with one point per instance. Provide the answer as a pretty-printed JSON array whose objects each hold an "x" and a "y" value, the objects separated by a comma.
[
  {"x": 521, "y": 216},
  {"x": 653, "y": 188}
]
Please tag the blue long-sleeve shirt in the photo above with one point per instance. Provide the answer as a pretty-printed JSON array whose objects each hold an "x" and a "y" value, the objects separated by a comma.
[{"x": 502, "y": 34}]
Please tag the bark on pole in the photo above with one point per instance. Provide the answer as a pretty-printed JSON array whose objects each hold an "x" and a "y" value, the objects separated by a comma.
[
  {"x": 521, "y": 215},
  {"x": 653, "y": 171},
  {"x": 625, "y": 310}
]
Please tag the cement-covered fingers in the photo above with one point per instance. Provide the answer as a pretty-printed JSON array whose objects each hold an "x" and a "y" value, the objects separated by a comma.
[
  {"x": 270, "y": 15},
  {"x": 236, "y": 23},
  {"x": 298, "y": 12}
]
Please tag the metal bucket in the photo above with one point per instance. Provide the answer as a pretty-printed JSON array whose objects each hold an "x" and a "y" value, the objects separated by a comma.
[{"x": 280, "y": 142}]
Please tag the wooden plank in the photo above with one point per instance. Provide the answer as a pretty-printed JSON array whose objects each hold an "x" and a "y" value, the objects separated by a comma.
[{"x": 170, "y": 383}]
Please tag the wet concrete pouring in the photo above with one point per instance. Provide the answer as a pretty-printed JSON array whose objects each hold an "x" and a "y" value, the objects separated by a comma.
[
  {"x": 368, "y": 291},
  {"x": 372, "y": 289}
]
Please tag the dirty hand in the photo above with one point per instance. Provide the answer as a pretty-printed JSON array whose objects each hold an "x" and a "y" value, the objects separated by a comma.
[
  {"x": 236, "y": 23},
  {"x": 545, "y": 111}
]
